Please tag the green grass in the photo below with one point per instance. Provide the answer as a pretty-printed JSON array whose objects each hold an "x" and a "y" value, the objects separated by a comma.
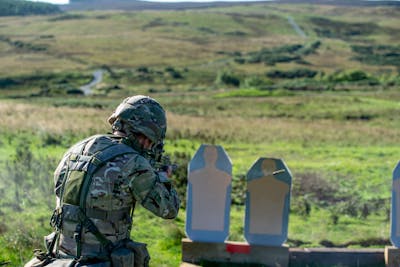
[{"x": 338, "y": 135}]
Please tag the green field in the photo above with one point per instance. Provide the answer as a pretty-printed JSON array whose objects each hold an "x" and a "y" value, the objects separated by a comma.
[{"x": 240, "y": 77}]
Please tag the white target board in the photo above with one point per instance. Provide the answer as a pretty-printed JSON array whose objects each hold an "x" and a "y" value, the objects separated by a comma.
[
  {"x": 267, "y": 202},
  {"x": 208, "y": 195}
]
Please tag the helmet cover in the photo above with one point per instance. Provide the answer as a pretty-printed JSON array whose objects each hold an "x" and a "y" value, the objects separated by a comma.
[{"x": 141, "y": 114}]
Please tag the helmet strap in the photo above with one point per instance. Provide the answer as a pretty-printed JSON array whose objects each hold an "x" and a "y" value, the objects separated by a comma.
[
  {"x": 132, "y": 141},
  {"x": 118, "y": 125}
]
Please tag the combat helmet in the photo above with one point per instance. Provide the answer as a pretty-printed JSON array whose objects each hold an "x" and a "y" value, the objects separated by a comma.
[{"x": 140, "y": 114}]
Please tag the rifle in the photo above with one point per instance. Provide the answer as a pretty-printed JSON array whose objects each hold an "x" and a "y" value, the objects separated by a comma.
[{"x": 159, "y": 161}]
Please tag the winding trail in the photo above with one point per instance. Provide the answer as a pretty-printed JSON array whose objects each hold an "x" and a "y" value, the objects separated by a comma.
[
  {"x": 97, "y": 78},
  {"x": 296, "y": 27}
]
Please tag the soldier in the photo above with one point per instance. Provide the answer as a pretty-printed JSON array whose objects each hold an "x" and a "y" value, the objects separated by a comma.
[{"x": 97, "y": 184}]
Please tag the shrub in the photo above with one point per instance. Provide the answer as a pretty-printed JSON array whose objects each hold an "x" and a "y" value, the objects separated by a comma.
[
  {"x": 238, "y": 190},
  {"x": 277, "y": 58},
  {"x": 257, "y": 82},
  {"x": 173, "y": 73},
  {"x": 338, "y": 29},
  {"x": 307, "y": 85},
  {"x": 28, "y": 177},
  {"x": 143, "y": 69},
  {"x": 302, "y": 206},
  {"x": 311, "y": 48},
  {"x": 292, "y": 74},
  {"x": 227, "y": 78},
  {"x": 348, "y": 76},
  {"x": 181, "y": 159},
  {"x": 75, "y": 92},
  {"x": 377, "y": 55}
]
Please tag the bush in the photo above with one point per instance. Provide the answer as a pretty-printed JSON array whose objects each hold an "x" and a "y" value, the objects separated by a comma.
[
  {"x": 181, "y": 159},
  {"x": 307, "y": 85},
  {"x": 75, "y": 91},
  {"x": 378, "y": 55},
  {"x": 173, "y": 73},
  {"x": 348, "y": 76},
  {"x": 338, "y": 29},
  {"x": 292, "y": 74},
  {"x": 143, "y": 69},
  {"x": 271, "y": 56},
  {"x": 257, "y": 82},
  {"x": 311, "y": 48},
  {"x": 227, "y": 78},
  {"x": 28, "y": 178}
]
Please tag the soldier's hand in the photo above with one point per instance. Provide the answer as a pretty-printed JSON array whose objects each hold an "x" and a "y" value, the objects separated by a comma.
[{"x": 168, "y": 170}]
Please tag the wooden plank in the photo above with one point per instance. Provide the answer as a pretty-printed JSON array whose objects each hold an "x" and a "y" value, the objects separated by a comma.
[
  {"x": 297, "y": 257},
  {"x": 234, "y": 252},
  {"x": 267, "y": 202},
  {"x": 330, "y": 257},
  {"x": 209, "y": 195}
]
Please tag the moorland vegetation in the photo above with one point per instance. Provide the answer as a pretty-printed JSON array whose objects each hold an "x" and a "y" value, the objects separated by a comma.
[
  {"x": 241, "y": 77},
  {"x": 23, "y": 8}
]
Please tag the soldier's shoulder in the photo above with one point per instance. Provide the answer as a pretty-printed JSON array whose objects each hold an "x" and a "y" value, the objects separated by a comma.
[
  {"x": 99, "y": 142},
  {"x": 136, "y": 161}
]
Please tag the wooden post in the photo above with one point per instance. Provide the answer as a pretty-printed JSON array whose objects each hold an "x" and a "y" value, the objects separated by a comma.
[{"x": 392, "y": 256}]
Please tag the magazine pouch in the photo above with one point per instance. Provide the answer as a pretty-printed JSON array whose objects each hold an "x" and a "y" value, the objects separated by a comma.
[
  {"x": 142, "y": 256},
  {"x": 122, "y": 257}
]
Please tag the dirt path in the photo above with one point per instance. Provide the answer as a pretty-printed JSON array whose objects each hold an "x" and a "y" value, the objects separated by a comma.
[
  {"x": 296, "y": 27},
  {"x": 97, "y": 78}
]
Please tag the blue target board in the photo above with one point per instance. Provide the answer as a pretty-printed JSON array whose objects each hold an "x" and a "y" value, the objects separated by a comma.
[{"x": 395, "y": 208}]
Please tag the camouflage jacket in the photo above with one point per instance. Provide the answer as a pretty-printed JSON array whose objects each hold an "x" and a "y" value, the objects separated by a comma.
[{"x": 115, "y": 188}]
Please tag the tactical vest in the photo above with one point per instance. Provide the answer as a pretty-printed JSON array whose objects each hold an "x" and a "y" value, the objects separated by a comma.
[{"x": 73, "y": 184}]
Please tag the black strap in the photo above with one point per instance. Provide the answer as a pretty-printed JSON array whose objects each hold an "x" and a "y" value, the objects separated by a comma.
[
  {"x": 88, "y": 224},
  {"x": 98, "y": 160},
  {"x": 112, "y": 215}
]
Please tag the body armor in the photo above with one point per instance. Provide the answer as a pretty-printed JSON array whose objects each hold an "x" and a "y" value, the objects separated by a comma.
[{"x": 97, "y": 184}]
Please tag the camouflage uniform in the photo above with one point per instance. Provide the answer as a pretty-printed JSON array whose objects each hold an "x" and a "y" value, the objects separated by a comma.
[
  {"x": 115, "y": 188},
  {"x": 125, "y": 178}
]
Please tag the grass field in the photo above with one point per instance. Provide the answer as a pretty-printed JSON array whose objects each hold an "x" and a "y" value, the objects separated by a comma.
[{"x": 240, "y": 77}]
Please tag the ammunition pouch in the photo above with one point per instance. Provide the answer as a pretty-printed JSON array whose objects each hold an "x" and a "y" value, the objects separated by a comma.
[
  {"x": 142, "y": 256},
  {"x": 130, "y": 253},
  {"x": 122, "y": 257}
]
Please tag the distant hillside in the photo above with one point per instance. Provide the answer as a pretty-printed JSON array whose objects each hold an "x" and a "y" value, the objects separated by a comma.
[
  {"x": 22, "y": 8},
  {"x": 143, "y": 5}
]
